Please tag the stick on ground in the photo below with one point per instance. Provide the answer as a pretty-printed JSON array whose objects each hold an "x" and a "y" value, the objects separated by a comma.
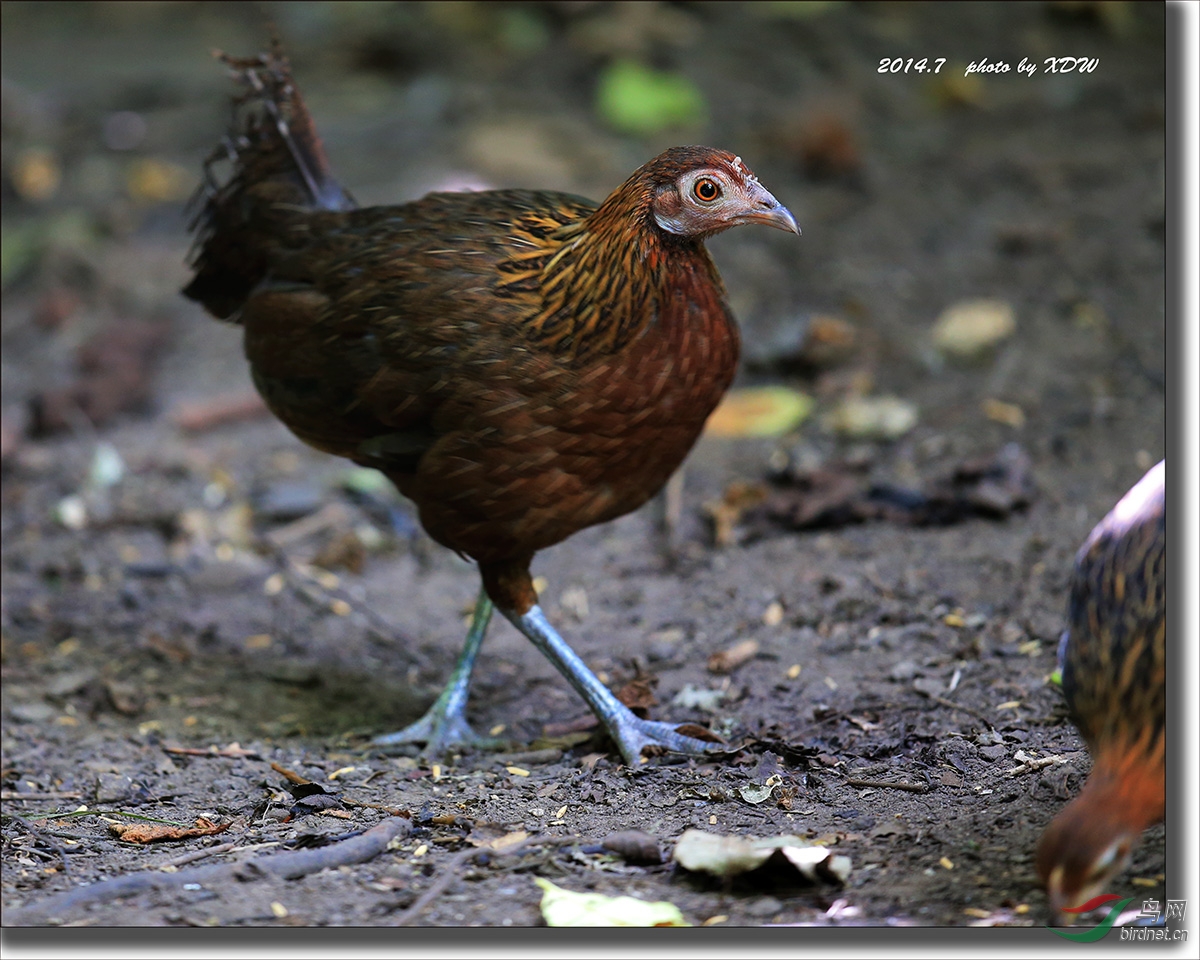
[{"x": 291, "y": 865}]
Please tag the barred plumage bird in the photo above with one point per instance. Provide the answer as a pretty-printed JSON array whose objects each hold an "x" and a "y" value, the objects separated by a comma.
[
  {"x": 1113, "y": 663},
  {"x": 521, "y": 364}
]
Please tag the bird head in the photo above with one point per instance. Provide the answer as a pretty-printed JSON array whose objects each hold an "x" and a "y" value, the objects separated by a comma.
[
  {"x": 1089, "y": 843},
  {"x": 1079, "y": 857},
  {"x": 699, "y": 191}
]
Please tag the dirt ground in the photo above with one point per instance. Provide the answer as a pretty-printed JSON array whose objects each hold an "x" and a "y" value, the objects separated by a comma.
[{"x": 185, "y": 622}]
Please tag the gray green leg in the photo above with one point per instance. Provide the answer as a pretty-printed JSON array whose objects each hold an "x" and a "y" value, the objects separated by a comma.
[
  {"x": 444, "y": 725},
  {"x": 631, "y": 733}
]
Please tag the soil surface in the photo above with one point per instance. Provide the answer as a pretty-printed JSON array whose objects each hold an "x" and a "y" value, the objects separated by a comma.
[{"x": 195, "y": 605}]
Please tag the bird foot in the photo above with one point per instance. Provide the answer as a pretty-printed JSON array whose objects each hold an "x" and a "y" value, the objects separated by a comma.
[
  {"x": 444, "y": 727},
  {"x": 441, "y": 733},
  {"x": 634, "y": 735},
  {"x": 631, "y": 733}
]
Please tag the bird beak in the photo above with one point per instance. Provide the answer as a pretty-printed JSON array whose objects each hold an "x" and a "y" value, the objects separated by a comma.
[
  {"x": 765, "y": 209},
  {"x": 1057, "y": 917}
]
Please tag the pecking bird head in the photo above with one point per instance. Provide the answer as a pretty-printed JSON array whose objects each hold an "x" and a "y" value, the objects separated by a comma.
[
  {"x": 1079, "y": 856},
  {"x": 699, "y": 191},
  {"x": 1089, "y": 843}
]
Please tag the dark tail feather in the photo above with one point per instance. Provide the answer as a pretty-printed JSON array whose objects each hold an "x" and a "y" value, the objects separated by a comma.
[{"x": 279, "y": 167}]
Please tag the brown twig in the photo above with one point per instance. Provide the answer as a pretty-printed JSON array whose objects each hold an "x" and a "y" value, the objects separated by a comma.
[
  {"x": 290, "y": 775},
  {"x": 729, "y": 659},
  {"x": 207, "y": 414},
  {"x": 448, "y": 875},
  {"x": 194, "y": 856},
  {"x": 207, "y": 852},
  {"x": 233, "y": 751}
]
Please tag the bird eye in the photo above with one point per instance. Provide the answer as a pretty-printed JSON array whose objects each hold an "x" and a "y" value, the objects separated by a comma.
[{"x": 706, "y": 190}]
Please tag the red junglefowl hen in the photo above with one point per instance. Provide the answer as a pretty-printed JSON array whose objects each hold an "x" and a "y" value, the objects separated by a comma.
[
  {"x": 521, "y": 364},
  {"x": 1113, "y": 662}
]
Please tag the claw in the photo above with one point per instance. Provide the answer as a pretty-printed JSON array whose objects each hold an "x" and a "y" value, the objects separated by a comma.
[
  {"x": 444, "y": 726},
  {"x": 631, "y": 734},
  {"x": 634, "y": 735},
  {"x": 441, "y": 733}
]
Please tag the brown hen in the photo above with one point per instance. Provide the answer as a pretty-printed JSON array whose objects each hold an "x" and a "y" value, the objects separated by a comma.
[
  {"x": 521, "y": 364},
  {"x": 1113, "y": 662}
]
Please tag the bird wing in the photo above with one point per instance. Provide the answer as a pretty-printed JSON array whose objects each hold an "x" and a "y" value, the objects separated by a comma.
[{"x": 382, "y": 314}]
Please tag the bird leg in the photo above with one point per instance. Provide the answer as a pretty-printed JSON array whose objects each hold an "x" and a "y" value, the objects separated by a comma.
[
  {"x": 444, "y": 725},
  {"x": 630, "y": 732}
]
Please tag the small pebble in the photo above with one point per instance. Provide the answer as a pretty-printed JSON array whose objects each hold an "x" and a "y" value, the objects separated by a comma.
[
  {"x": 31, "y": 712},
  {"x": 68, "y": 683},
  {"x": 287, "y": 500},
  {"x": 111, "y": 787},
  {"x": 764, "y": 907}
]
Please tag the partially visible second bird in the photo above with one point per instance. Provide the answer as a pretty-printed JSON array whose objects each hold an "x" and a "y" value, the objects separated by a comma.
[
  {"x": 521, "y": 364},
  {"x": 1113, "y": 663}
]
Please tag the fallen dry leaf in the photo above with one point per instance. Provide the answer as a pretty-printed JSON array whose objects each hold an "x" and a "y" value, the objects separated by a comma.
[
  {"x": 499, "y": 844},
  {"x": 115, "y": 373},
  {"x": 871, "y": 418},
  {"x": 697, "y": 732},
  {"x": 839, "y": 494},
  {"x": 312, "y": 798},
  {"x": 638, "y": 695},
  {"x": 726, "y": 513},
  {"x": 154, "y": 832},
  {"x": 565, "y": 908},
  {"x": 1007, "y": 413},
  {"x": 726, "y": 856},
  {"x": 970, "y": 328},
  {"x": 759, "y": 412}
]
